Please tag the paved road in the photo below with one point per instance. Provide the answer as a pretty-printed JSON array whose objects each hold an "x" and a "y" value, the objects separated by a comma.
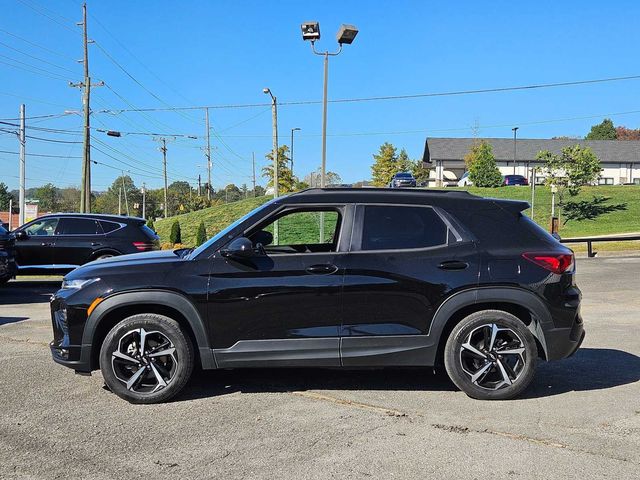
[{"x": 581, "y": 419}]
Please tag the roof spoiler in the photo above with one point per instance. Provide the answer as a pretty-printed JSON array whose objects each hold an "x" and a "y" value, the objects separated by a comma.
[{"x": 513, "y": 206}]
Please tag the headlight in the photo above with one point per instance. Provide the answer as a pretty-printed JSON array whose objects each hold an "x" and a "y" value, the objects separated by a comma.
[{"x": 78, "y": 283}]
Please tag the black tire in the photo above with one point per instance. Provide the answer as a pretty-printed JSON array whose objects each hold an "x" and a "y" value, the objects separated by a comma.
[
  {"x": 4, "y": 281},
  {"x": 512, "y": 359},
  {"x": 105, "y": 255},
  {"x": 161, "y": 334}
]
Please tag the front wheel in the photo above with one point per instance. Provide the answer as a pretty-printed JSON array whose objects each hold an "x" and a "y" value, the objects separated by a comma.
[
  {"x": 146, "y": 358},
  {"x": 491, "y": 355}
]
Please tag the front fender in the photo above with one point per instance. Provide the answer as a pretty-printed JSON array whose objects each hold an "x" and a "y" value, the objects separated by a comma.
[{"x": 166, "y": 298}]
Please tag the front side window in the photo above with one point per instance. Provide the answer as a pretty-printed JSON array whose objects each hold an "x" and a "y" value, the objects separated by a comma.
[
  {"x": 78, "y": 226},
  {"x": 401, "y": 227},
  {"x": 299, "y": 232},
  {"x": 45, "y": 227}
]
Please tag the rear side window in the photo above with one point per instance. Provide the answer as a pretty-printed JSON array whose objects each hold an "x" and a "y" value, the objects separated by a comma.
[
  {"x": 109, "y": 226},
  {"x": 78, "y": 226},
  {"x": 400, "y": 227},
  {"x": 148, "y": 232}
]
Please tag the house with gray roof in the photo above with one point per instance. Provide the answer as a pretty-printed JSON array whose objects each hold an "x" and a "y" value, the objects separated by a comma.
[{"x": 445, "y": 156}]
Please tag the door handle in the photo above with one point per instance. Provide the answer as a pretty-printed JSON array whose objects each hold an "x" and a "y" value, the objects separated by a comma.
[
  {"x": 453, "y": 265},
  {"x": 322, "y": 269},
  {"x": 95, "y": 244},
  {"x": 44, "y": 244}
]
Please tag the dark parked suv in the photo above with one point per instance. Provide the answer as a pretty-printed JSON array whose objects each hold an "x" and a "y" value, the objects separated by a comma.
[
  {"x": 396, "y": 278},
  {"x": 7, "y": 256},
  {"x": 403, "y": 179},
  {"x": 61, "y": 242}
]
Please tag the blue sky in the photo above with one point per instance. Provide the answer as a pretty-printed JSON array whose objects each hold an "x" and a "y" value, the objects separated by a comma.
[{"x": 225, "y": 52}]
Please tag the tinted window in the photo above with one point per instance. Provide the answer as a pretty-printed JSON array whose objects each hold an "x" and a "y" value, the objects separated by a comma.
[
  {"x": 42, "y": 227},
  {"x": 78, "y": 226},
  {"x": 109, "y": 226},
  {"x": 393, "y": 227}
]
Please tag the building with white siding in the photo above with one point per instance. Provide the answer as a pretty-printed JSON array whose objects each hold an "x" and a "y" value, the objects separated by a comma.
[{"x": 445, "y": 156}]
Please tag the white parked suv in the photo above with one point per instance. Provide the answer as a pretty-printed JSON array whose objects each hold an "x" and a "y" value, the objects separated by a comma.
[{"x": 465, "y": 181}]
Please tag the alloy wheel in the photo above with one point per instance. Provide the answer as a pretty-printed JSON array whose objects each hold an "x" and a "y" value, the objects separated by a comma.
[
  {"x": 144, "y": 361},
  {"x": 494, "y": 357}
]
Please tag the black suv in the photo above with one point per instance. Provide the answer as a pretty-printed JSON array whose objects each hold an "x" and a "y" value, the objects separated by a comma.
[
  {"x": 7, "y": 256},
  {"x": 61, "y": 242},
  {"x": 402, "y": 179},
  {"x": 332, "y": 278}
]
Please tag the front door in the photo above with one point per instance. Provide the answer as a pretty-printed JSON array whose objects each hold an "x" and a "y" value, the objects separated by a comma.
[
  {"x": 404, "y": 261},
  {"x": 281, "y": 306},
  {"x": 35, "y": 247}
]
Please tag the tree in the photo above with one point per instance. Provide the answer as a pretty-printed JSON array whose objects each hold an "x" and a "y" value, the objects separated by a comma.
[
  {"x": 385, "y": 165},
  {"x": 420, "y": 172},
  {"x": 176, "y": 234},
  {"x": 69, "y": 199},
  {"x": 575, "y": 167},
  {"x": 5, "y": 196},
  {"x": 151, "y": 225},
  {"x": 259, "y": 191},
  {"x": 108, "y": 201},
  {"x": 603, "y": 131},
  {"x": 201, "y": 234},
  {"x": 48, "y": 197},
  {"x": 483, "y": 171},
  {"x": 624, "y": 133},
  {"x": 286, "y": 180},
  {"x": 313, "y": 179}
]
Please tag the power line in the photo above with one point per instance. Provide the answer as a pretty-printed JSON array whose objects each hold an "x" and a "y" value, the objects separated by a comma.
[
  {"x": 33, "y": 44},
  {"x": 37, "y": 58},
  {"x": 391, "y": 97},
  {"x": 38, "y": 154}
]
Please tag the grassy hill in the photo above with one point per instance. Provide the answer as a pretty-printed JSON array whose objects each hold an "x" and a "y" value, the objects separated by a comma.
[{"x": 626, "y": 221}]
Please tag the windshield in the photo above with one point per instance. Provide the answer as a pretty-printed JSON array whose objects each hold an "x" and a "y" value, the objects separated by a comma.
[
  {"x": 228, "y": 229},
  {"x": 403, "y": 174}
]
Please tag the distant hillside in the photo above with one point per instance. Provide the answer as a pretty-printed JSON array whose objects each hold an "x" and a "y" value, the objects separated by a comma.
[{"x": 215, "y": 219}]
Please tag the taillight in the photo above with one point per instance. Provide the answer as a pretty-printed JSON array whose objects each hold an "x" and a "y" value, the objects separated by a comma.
[
  {"x": 554, "y": 262},
  {"x": 143, "y": 246}
]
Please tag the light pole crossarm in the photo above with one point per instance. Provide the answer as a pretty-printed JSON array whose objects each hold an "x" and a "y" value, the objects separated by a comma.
[{"x": 327, "y": 53}]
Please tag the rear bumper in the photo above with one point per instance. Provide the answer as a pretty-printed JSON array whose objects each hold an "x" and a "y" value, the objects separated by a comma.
[{"x": 564, "y": 342}]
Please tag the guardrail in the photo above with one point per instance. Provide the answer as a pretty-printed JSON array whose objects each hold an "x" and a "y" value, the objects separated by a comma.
[{"x": 591, "y": 240}]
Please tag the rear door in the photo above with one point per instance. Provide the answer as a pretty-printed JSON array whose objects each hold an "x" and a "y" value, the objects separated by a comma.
[
  {"x": 76, "y": 239},
  {"x": 404, "y": 261}
]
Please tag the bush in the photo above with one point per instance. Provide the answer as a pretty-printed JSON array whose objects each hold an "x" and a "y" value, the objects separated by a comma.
[
  {"x": 483, "y": 171},
  {"x": 151, "y": 225},
  {"x": 201, "y": 234},
  {"x": 176, "y": 235}
]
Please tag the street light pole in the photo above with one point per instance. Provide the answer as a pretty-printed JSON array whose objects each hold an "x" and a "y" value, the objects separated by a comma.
[
  {"x": 515, "y": 134},
  {"x": 292, "y": 130},
  {"x": 274, "y": 115}
]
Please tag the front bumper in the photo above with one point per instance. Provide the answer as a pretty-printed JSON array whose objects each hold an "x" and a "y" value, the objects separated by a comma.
[{"x": 67, "y": 348}]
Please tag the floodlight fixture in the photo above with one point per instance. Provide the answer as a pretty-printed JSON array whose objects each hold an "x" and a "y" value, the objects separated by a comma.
[
  {"x": 346, "y": 34},
  {"x": 310, "y": 31}
]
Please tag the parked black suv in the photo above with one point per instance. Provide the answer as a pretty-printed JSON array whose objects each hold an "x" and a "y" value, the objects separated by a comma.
[
  {"x": 7, "y": 256},
  {"x": 402, "y": 179},
  {"x": 398, "y": 278},
  {"x": 61, "y": 242}
]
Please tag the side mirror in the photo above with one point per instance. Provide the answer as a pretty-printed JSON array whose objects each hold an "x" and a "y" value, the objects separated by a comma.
[
  {"x": 241, "y": 247},
  {"x": 21, "y": 235}
]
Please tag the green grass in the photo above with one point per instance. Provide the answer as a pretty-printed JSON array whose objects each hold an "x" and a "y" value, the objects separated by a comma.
[{"x": 625, "y": 221}]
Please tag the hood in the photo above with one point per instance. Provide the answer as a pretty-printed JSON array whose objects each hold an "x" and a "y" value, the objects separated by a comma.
[{"x": 126, "y": 261}]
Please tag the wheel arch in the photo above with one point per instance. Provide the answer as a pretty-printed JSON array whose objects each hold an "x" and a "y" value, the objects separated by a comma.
[
  {"x": 524, "y": 305},
  {"x": 104, "y": 251},
  {"x": 171, "y": 304}
]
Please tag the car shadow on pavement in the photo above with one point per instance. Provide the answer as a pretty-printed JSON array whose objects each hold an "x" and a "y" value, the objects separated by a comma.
[
  {"x": 8, "y": 320},
  {"x": 210, "y": 383},
  {"x": 27, "y": 292},
  {"x": 589, "y": 369}
]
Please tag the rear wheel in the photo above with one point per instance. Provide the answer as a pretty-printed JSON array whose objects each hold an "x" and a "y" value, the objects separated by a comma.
[
  {"x": 146, "y": 358},
  {"x": 491, "y": 355},
  {"x": 105, "y": 255}
]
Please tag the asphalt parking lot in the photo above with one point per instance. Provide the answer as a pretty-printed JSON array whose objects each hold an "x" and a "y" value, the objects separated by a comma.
[{"x": 581, "y": 418}]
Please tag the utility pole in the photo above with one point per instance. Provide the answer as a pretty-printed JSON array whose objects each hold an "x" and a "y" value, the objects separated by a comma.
[
  {"x": 163, "y": 149},
  {"x": 144, "y": 200},
  {"x": 292, "y": 130},
  {"x": 253, "y": 166},
  {"x": 515, "y": 134},
  {"x": 85, "y": 183},
  {"x": 10, "y": 214},
  {"x": 199, "y": 184},
  {"x": 22, "y": 138},
  {"x": 119, "y": 200},
  {"x": 206, "y": 119},
  {"x": 124, "y": 189}
]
